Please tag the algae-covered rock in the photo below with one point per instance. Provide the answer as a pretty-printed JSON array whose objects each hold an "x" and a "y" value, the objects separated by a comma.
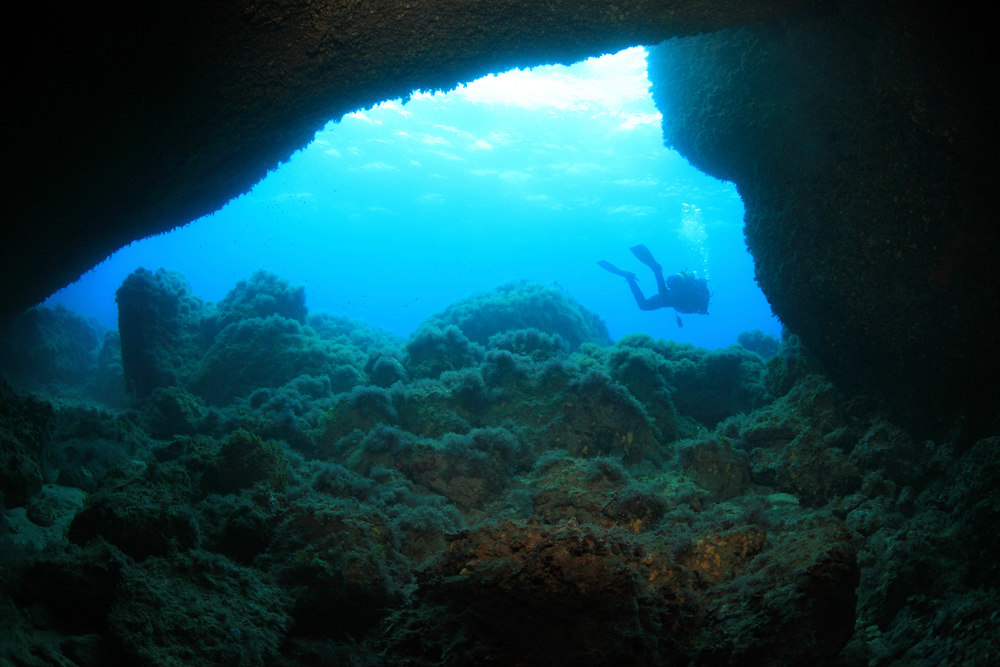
[
  {"x": 764, "y": 344},
  {"x": 575, "y": 594},
  {"x": 140, "y": 518},
  {"x": 433, "y": 350},
  {"x": 850, "y": 147},
  {"x": 441, "y": 500},
  {"x": 28, "y": 533},
  {"x": 644, "y": 372},
  {"x": 800, "y": 443},
  {"x": 255, "y": 337},
  {"x": 599, "y": 491},
  {"x": 719, "y": 469},
  {"x": 337, "y": 563},
  {"x": 88, "y": 444},
  {"x": 24, "y": 427},
  {"x": 531, "y": 342},
  {"x": 454, "y": 403},
  {"x": 473, "y": 469},
  {"x": 717, "y": 383},
  {"x": 341, "y": 330},
  {"x": 802, "y": 584},
  {"x": 262, "y": 295},
  {"x": 792, "y": 363},
  {"x": 269, "y": 352},
  {"x": 76, "y": 585},
  {"x": 524, "y": 305},
  {"x": 159, "y": 320},
  {"x": 107, "y": 384},
  {"x": 290, "y": 412},
  {"x": 240, "y": 524},
  {"x": 598, "y": 417},
  {"x": 563, "y": 595},
  {"x": 198, "y": 608},
  {"x": 171, "y": 411},
  {"x": 361, "y": 409},
  {"x": 44, "y": 347},
  {"x": 384, "y": 369},
  {"x": 915, "y": 595},
  {"x": 706, "y": 385},
  {"x": 243, "y": 460}
]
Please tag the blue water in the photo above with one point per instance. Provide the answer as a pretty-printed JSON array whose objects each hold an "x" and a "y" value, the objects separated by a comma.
[{"x": 396, "y": 212}]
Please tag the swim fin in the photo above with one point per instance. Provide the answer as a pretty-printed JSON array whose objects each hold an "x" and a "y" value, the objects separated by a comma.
[
  {"x": 642, "y": 253},
  {"x": 608, "y": 266}
]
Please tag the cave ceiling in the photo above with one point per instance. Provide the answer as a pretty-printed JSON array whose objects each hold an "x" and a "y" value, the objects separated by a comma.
[
  {"x": 130, "y": 119},
  {"x": 852, "y": 130}
]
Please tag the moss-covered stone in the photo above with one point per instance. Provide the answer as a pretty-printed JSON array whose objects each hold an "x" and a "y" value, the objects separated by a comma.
[
  {"x": 563, "y": 499},
  {"x": 49, "y": 346},
  {"x": 433, "y": 350},
  {"x": 860, "y": 167},
  {"x": 198, "y": 607},
  {"x": 606, "y": 595},
  {"x": 262, "y": 295},
  {"x": 244, "y": 459},
  {"x": 524, "y": 305},
  {"x": 159, "y": 321},
  {"x": 718, "y": 468},
  {"x": 362, "y": 409},
  {"x": 139, "y": 518},
  {"x": 24, "y": 428},
  {"x": 598, "y": 417},
  {"x": 270, "y": 352},
  {"x": 337, "y": 564}
]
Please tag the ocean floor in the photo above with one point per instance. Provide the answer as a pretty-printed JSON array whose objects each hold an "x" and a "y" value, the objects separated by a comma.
[{"x": 248, "y": 483}]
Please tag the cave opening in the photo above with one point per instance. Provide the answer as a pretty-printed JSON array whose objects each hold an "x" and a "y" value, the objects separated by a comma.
[{"x": 395, "y": 212}]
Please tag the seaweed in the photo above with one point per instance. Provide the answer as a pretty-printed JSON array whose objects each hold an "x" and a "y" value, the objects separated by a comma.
[{"x": 394, "y": 497}]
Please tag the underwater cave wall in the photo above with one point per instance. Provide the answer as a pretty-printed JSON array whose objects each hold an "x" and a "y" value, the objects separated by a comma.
[{"x": 854, "y": 135}]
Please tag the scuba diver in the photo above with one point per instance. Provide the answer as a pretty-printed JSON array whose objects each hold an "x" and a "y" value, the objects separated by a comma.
[{"x": 684, "y": 292}]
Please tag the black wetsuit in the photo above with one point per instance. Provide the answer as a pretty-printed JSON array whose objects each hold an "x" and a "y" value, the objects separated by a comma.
[{"x": 683, "y": 292}]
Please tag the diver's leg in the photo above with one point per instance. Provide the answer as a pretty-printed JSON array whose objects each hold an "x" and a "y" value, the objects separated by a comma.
[
  {"x": 608, "y": 266},
  {"x": 640, "y": 300},
  {"x": 661, "y": 284},
  {"x": 633, "y": 284},
  {"x": 642, "y": 253}
]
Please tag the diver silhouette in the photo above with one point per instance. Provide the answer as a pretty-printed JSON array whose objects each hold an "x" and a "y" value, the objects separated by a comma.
[{"x": 684, "y": 291}]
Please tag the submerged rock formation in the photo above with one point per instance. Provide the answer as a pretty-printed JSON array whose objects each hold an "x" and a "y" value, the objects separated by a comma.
[
  {"x": 855, "y": 137},
  {"x": 855, "y": 131},
  {"x": 356, "y": 498}
]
